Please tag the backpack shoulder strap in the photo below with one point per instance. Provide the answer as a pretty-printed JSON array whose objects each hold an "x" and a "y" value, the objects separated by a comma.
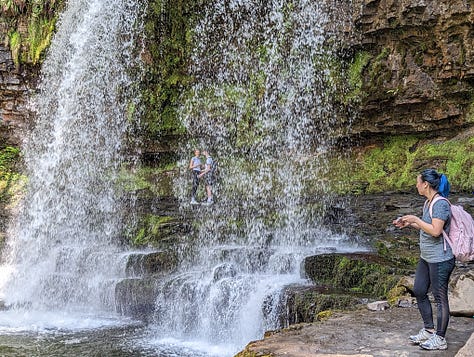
[{"x": 437, "y": 198}]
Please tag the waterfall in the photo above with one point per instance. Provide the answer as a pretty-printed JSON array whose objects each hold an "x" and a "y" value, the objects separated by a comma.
[
  {"x": 261, "y": 102},
  {"x": 63, "y": 252}
]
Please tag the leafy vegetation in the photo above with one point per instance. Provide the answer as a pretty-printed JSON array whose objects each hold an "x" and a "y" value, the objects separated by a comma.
[
  {"x": 28, "y": 43},
  {"x": 360, "y": 61},
  {"x": 9, "y": 157},
  {"x": 152, "y": 230},
  {"x": 168, "y": 46}
]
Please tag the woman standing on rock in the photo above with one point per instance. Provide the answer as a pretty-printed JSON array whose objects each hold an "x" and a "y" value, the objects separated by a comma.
[
  {"x": 195, "y": 167},
  {"x": 436, "y": 259}
]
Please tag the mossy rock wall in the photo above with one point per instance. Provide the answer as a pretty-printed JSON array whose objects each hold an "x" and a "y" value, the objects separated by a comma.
[
  {"x": 409, "y": 83},
  {"x": 304, "y": 304},
  {"x": 27, "y": 27},
  {"x": 362, "y": 273},
  {"x": 393, "y": 163}
]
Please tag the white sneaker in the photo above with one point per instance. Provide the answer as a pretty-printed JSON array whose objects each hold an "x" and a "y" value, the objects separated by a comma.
[
  {"x": 435, "y": 342},
  {"x": 194, "y": 202},
  {"x": 422, "y": 336}
]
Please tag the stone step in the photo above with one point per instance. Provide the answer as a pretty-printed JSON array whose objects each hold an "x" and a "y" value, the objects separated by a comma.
[{"x": 144, "y": 264}]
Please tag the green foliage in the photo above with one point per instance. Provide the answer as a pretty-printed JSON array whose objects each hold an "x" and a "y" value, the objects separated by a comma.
[
  {"x": 40, "y": 31},
  {"x": 394, "y": 164},
  {"x": 360, "y": 273},
  {"x": 151, "y": 230},
  {"x": 155, "y": 181},
  {"x": 40, "y": 16},
  {"x": 9, "y": 158},
  {"x": 355, "y": 72},
  {"x": 12, "y": 7},
  {"x": 316, "y": 305},
  {"x": 470, "y": 113},
  {"x": 168, "y": 45},
  {"x": 14, "y": 39},
  {"x": 378, "y": 74}
]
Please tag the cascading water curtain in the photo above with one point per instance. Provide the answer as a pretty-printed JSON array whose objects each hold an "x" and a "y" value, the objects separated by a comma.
[
  {"x": 261, "y": 102},
  {"x": 62, "y": 251}
]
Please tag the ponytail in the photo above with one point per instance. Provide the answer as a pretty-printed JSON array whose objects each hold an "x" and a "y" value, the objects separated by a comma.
[
  {"x": 444, "y": 186},
  {"x": 437, "y": 181}
]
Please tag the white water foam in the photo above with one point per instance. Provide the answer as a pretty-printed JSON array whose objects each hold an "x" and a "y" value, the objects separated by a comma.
[
  {"x": 261, "y": 102},
  {"x": 62, "y": 257}
]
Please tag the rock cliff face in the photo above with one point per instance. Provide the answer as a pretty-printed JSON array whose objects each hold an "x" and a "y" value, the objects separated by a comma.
[
  {"x": 14, "y": 89},
  {"x": 417, "y": 66}
]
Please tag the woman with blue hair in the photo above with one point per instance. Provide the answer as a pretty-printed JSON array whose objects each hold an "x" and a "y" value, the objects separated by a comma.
[{"x": 436, "y": 259}]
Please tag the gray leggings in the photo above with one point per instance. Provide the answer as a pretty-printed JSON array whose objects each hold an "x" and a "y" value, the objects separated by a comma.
[{"x": 437, "y": 276}]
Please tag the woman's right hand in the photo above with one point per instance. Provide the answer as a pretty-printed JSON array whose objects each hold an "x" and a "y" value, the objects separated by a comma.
[{"x": 400, "y": 223}]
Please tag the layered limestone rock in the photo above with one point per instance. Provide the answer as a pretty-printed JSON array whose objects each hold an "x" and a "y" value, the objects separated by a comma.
[
  {"x": 417, "y": 60},
  {"x": 14, "y": 92}
]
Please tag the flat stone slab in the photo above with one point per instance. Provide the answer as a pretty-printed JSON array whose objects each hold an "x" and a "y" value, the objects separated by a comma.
[{"x": 359, "y": 333}]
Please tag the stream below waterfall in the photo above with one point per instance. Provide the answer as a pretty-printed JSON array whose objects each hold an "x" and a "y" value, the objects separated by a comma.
[{"x": 110, "y": 337}]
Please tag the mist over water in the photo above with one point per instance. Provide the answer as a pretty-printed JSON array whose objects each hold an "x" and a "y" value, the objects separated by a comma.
[{"x": 61, "y": 253}]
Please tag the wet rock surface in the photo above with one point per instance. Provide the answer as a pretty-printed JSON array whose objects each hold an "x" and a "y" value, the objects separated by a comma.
[
  {"x": 359, "y": 333},
  {"x": 15, "y": 87}
]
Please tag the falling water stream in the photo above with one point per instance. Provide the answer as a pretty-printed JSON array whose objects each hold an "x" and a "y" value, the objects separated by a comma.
[
  {"x": 61, "y": 262},
  {"x": 260, "y": 102}
]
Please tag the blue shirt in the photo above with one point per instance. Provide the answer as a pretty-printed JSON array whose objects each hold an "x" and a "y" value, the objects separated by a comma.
[{"x": 432, "y": 248}]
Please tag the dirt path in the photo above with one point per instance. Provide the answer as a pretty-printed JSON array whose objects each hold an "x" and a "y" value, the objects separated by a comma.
[{"x": 361, "y": 333}]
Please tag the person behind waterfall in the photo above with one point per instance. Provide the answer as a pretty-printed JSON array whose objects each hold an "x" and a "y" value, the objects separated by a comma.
[
  {"x": 208, "y": 175},
  {"x": 195, "y": 167},
  {"x": 436, "y": 260}
]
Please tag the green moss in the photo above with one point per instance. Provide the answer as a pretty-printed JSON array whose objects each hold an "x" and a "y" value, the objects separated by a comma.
[
  {"x": 14, "y": 40},
  {"x": 395, "y": 294},
  {"x": 395, "y": 163},
  {"x": 40, "y": 31},
  {"x": 324, "y": 315},
  {"x": 168, "y": 49},
  {"x": 355, "y": 72},
  {"x": 377, "y": 71},
  {"x": 11, "y": 7},
  {"x": 399, "y": 251},
  {"x": 156, "y": 181},
  {"x": 10, "y": 178},
  {"x": 470, "y": 113},
  {"x": 40, "y": 17},
  {"x": 312, "y": 306},
  {"x": 358, "y": 273},
  {"x": 152, "y": 230}
]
